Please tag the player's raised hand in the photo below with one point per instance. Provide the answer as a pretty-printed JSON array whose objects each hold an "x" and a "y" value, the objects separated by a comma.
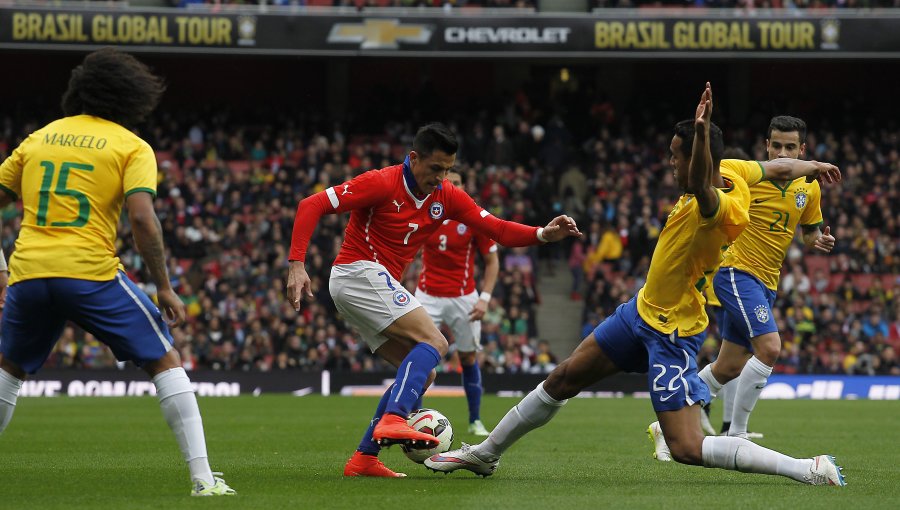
[
  {"x": 172, "y": 307},
  {"x": 560, "y": 228},
  {"x": 298, "y": 283},
  {"x": 704, "y": 109},
  {"x": 825, "y": 242},
  {"x": 825, "y": 172}
]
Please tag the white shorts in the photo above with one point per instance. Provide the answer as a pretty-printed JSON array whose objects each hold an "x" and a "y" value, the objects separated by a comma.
[
  {"x": 454, "y": 312},
  {"x": 369, "y": 299}
]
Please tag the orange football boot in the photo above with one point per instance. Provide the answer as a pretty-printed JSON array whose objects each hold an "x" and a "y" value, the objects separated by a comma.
[
  {"x": 393, "y": 429},
  {"x": 361, "y": 464}
]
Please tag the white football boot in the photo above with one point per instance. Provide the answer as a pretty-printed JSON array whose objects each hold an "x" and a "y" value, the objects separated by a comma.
[
  {"x": 824, "y": 471},
  {"x": 661, "y": 449},
  {"x": 464, "y": 458}
]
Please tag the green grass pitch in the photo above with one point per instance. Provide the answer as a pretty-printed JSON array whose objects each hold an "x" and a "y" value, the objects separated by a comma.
[{"x": 284, "y": 452}]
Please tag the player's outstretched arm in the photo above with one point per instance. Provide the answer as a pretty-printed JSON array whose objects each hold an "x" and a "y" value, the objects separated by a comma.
[
  {"x": 787, "y": 169},
  {"x": 147, "y": 234},
  {"x": 558, "y": 229},
  {"x": 508, "y": 233},
  {"x": 364, "y": 190},
  {"x": 700, "y": 170}
]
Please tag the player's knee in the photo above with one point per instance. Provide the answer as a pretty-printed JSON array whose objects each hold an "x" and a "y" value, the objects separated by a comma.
[
  {"x": 725, "y": 371},
  {"x": 440, "y": 344},
  {"x": 768, "y": 351},
  {"x": 467, "y": 359}
]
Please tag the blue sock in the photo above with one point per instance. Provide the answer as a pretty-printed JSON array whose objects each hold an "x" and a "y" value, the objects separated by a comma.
[
  {"x": 418, "y": 404},
  {"x": 411, "y": 377},
  {"x": 368, "y": 445},
  {"x": 471, "y": 378}
]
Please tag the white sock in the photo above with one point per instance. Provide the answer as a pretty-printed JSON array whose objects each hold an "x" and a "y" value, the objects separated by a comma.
[
  {"x": 751, "y": 383},
  {"x": 535, "y": 410},
  {"x": 727, "y": 395},
  {"x": 179, "y": 407},
  {"x": 738, "y": 454},
  {"x": 9, "y": 392},
  {"x": 710, "y": 380}
]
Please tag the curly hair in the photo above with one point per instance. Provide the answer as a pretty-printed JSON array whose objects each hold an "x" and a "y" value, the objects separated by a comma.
[{"x": 114, "y": 86}]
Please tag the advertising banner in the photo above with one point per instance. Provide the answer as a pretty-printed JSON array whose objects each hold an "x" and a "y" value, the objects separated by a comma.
[
  {"x": 769, "y": 34},
  {"x": 209, "y": 383}
]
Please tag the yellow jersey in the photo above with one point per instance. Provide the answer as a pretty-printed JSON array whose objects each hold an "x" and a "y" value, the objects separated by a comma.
[
  {"x": 710, "y": 293},
  {"x": 689, "y": 252},
  {"x": 73, "y": 176},
  {"x": 775, "y": 212}
]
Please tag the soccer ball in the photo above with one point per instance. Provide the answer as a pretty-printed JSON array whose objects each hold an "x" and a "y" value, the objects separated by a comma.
[{"x": 431, "y": 422}]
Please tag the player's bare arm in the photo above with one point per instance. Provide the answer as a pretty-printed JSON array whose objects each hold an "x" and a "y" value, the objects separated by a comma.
[
  {"x": 787, "y": 169},
  {"x": 818, "y": 240},
  {"x": 147, "y": 234},
  {"x": 491, "y": 270},
  {"x": 701, "y": 167}
]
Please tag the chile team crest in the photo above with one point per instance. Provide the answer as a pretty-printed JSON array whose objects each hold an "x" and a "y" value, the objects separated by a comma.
[
  {"x": 436, "y": 210},
  {"x": 401, "y": 298},
  {"x": 800, "y": 200},
  {"x": 461, "y": 229}
]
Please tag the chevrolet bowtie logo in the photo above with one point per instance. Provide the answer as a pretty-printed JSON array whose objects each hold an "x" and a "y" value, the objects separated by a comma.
[{"x": 379, "y": 34}]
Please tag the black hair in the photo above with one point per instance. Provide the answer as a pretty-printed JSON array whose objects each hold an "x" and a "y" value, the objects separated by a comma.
[
  {"x": 786, "y": 124},
  {"x": 433, "y": 137},
  {"x": 685, "y": 131},
  {"x": 114, "y": 86},
  {"x": 735, "y": 153}
]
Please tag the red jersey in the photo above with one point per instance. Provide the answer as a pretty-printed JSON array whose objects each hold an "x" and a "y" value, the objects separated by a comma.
[
  {"x": 449, "y": 260},
  {"x": 388, "y": 224}
]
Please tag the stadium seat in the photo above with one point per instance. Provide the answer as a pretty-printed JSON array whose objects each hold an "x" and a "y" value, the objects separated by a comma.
[
  {"x": 816, "y": 262},
  {"x": 862, "y": 282},
  {"x": 836, "y": 280}
]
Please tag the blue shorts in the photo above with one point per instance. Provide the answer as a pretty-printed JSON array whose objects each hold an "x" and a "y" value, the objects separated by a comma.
[
  {"x": 117, "y": 312},
  {"x": 669, "y": 361},
  {"x": 746, "y": 306}
]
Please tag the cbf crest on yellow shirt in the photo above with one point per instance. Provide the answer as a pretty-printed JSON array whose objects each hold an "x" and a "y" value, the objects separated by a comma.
[
  {"x": 776, "y": 208},
  {"x": 72, "y": 176}
]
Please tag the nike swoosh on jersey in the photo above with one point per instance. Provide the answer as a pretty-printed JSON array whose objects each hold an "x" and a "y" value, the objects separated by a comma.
[
  {"x": 760, "y": 200},
  {"x": 667, "y": 397}
]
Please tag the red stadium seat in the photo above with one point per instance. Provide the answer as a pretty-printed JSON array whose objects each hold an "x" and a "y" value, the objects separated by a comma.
[
  {"x": 835, "y": 282},
  {"x": 862, "y": 282},
  {"x": 816, "y": 262}
]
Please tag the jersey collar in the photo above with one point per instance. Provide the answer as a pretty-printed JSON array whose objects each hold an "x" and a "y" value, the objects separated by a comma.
[{"x": 409, "y": 182}]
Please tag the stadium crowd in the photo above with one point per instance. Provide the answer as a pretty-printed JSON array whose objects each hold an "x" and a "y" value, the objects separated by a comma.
[{"x": 228, "y": 193}]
